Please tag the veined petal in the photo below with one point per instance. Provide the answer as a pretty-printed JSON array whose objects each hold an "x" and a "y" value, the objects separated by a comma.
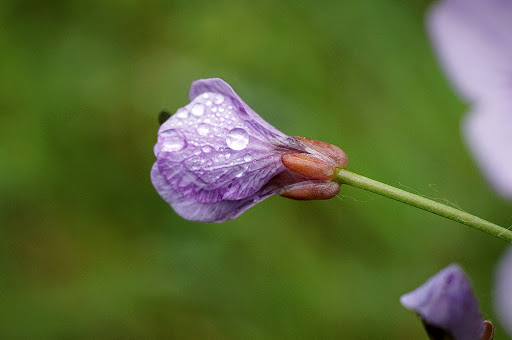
[
  {"x": 190, "y": 209},
  {"x": 245, "y": 113},
  {"x": 213, "y": 149},
  {"x": 473, "y": 40}
]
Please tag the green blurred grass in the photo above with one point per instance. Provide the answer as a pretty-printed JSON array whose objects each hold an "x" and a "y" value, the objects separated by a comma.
[{"x": 90, "y": 250}]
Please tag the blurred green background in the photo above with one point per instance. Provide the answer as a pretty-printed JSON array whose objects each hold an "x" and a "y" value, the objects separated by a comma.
[{"x": 89, "y": 249}]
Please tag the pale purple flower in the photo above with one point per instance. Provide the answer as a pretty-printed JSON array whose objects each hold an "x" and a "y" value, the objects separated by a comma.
[
  {"x": 216, "y": 158},
  {"x": 446, "y": 303},
  {"x": 473, "y": 40},
  {"x": 503, "y": 291}
]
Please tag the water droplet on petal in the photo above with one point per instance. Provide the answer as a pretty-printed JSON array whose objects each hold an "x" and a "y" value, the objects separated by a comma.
[
  {"x": 221, "y": 109},
  {"x": 203, "y": 129},
  {"x": 214, "y": 109},
  {"x": 247, "y": 158},
  {"x": 237, "y": 139},
  {"x": 239, "y": 171},
  {"x": 198, "y": 109},
  {"x": 172, "y": 140},
  {"x": 205, "y": 95},
  {"x": 218, "y": 99},
  {"x": 207, "y": 148},
  {"x": 182, "y": 113},
  {"x": 208, "y": 103}
]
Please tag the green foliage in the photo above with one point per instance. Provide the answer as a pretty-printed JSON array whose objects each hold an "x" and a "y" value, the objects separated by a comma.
[{"x": 90, "y": 250}]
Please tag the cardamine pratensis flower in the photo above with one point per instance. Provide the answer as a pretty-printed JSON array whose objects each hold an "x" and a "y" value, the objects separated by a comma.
[
  {"x": 473, "y": 40},
  {"x": 216, "y": 158},
  {"x": 448, "y": 307}
]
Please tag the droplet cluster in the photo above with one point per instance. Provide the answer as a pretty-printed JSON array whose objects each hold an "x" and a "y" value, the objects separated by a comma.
[{"x": 210, "y": 139}]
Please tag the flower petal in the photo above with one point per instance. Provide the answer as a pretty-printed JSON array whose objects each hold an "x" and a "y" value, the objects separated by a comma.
[
  {"x": 190, "y": 209},
  {"x": 503, "y": 291},
  {"x": 473, "y": 40},
  {"x": 488, "y": 131},
  {"x": 245, "y": 113},
  {"x": 213, "y": 149},
  {"x": 447, "y": 301}
]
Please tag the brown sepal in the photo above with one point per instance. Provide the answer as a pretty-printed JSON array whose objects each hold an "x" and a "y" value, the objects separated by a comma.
[
  {"x": 309, "y": 166},
  {"x": 338, "y": 156},
  {"x": 488, "y": 331},
  {"x": 311, "y": 190}
]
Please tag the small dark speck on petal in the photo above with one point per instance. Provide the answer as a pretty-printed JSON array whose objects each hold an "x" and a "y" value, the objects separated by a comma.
[{"x": 163, "y": 116}]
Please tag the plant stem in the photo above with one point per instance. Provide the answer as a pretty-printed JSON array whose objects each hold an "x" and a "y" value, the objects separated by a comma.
[{"x": 347, "y": 177}]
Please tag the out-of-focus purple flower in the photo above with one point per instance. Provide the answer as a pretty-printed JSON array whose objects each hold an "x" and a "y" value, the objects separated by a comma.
[
  {"x": 446, "y": 303},
  {"x": 473, "y": 40},
  {"x": 503, "y": 291},
  {"x": 216, "y": 158}
]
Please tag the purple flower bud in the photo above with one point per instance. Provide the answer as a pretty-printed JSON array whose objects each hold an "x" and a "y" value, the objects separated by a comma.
[
  {"x": 446, "y": 303},
  {"x": 216, "y": 158},
  {"x": 473, "y": 40}
]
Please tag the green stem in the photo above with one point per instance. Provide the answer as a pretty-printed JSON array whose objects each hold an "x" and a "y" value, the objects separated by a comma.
[{"x": 346, "y": 177}]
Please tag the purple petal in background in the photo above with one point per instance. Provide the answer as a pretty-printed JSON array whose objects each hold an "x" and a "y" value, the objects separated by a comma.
[
  {"x": 446, "y": 301},
  {"x": 503, "y": 291},
  {"x": 488, "y": 130},
  {"x": 473, "y": 40}
]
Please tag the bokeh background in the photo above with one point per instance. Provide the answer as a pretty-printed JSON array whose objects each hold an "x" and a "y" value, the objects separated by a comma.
[{"x": 88, "y": 248}]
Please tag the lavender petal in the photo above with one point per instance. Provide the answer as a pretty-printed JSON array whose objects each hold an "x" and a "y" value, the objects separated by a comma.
[
  {"x": 488, "y": 131},
  {"x": 447, "y": 301},
  {"x": 473, "y": 40}
]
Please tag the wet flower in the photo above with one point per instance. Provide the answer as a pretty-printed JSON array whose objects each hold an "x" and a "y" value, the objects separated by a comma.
[
  {"x": 448, "y": 307},
  {"x": 473, "y": 40},
  {"x": 216, "y": 158}
]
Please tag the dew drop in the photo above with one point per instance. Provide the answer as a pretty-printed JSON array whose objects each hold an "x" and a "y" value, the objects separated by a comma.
[
  {"x": 197, "y": 152},
  {"x": 208, "y": 103},
  {"x": 221, "y": 109},
  {"x": 214, "y": 109},
  {"x": 207, "y": 148},
  {"x": 198, "y": 110},
  {"x": 237, "y": 139},
  {"x": 182, "y": 113},
  {"x": 239, "y": 171},
  {"x": 205, "y": 95},
  {"x": 203, "y": 129},
  {"x": 172, "y": 140},
  {"x": 247, "y": 158},
  {"x": 218, "y": 99}
]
